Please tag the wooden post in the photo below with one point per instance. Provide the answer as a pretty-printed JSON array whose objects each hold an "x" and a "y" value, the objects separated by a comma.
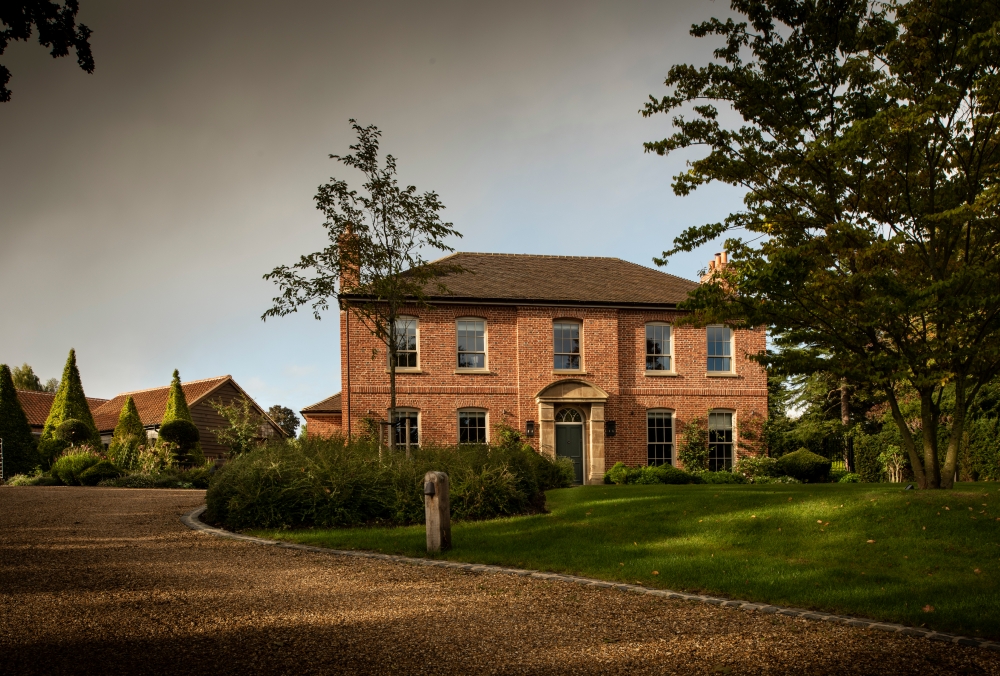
[
  {"x": 407, "y": 436},
  {"x": 437, "y": 511}
]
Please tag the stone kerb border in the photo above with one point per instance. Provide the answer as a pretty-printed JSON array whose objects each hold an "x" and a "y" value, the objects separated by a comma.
[{"x": 191, "y": 520}]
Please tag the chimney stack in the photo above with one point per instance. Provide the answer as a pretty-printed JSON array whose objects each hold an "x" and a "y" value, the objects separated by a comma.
[{"x": 715, "y": 265}]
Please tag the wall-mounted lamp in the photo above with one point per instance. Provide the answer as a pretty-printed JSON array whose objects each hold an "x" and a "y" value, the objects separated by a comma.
[
  {"x": 529, "y": 428},
  {"x": 610, "y": 428}
]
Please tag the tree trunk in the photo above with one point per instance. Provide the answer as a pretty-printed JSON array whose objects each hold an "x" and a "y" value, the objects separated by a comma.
[
  {"x": 929, "y": 422},
  {"x": 908, "y": 443},
  {"x": 845, "y": 420},
  {"x": 955, "y": 440}
]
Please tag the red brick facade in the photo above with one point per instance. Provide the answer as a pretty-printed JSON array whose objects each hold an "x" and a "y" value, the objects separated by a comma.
[{"x": 519, "y": 368}]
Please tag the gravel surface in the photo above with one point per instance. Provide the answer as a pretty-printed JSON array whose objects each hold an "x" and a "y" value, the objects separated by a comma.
[{"x": 109, "y": 581}]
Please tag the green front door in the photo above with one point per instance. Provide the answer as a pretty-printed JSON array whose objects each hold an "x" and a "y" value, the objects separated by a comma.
[{"x": 569, "y": 444}]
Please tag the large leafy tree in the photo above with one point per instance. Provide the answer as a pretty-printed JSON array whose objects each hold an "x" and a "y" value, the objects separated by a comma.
[
  {"x": 56, "y": 26},
  {"x": 869, "y": 150},
  {"x": 18, "y": 444},
  {"x": 373, "y": 265},
  {"x": 284, "y": 418},
  {"x": 25, "y": 379},
  {"x": 70, "y": 403}
]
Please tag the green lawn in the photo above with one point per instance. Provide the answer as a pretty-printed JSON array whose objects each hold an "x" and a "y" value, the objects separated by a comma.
[{"x": 806, "y": 546}]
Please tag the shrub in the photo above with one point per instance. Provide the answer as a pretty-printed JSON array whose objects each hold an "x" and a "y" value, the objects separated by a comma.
[
  {"x": 339, "y": 483},
  {"x": 849, "y": 478},
  {"x": 99, "y": 472},
  {"x": 867, "y": 448},
  {"x": 692, "y": 451},
  {"x": 70, "y": 403},
  {"x": 73, "y": 431},
  {"x": 130, "y": 481},
  {"x": 183, "y": 435},
  {"x": 663, "y": 474},
  {"x": 777, "y": 480},
  {"x": 50, "y": 449},
  {"x": 19, "y": 449},
  {"x": 721, "y": 478},
  {"x": 754, "y": 468},
  {"x": 20, "y": 480},
  {"x": 37, "y": 479},
  {"x": 804, "y": 465},
  {"x": 128, "y": 436},
  {"x": 73, "y": 463}
]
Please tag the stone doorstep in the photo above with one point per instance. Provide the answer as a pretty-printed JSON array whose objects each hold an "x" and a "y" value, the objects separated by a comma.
[{"x": 192, "y": 521}]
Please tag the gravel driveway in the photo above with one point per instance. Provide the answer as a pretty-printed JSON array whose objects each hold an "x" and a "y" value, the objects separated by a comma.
[{"x": 109, "y": 581}]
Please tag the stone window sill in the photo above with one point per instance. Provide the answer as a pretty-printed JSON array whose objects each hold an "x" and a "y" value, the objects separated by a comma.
[
  {"x": 562, "y": 372},
  {"x": 473, "y": 372},
  {"x": 400, "y": 372},
  {"x": 721, "y": 374},
  {"x": 662, "y": 374}
]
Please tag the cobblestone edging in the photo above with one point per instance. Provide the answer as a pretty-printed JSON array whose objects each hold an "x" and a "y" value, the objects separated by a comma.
[{"x": 191, "y": 520}]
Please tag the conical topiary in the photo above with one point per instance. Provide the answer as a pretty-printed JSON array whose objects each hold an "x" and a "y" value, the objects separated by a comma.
[
  {"x": 129, "y": 435},
  {"x": 177, "y": 409},
  {"x": 70, "y": 404},
  {"x": 19, "y": 454}
]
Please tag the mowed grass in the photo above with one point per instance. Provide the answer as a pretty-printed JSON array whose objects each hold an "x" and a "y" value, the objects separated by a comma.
[{"x": 806, "y": 546}]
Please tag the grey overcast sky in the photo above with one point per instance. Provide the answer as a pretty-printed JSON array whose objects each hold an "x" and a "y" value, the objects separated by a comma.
[{"x": 140, "y": 205}]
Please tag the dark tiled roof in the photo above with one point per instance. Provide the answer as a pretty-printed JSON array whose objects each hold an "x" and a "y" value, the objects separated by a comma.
[
  {"x": 36, "y": 405},
  {"x": 560, "y": 279},
  {"x": 152, "y": 403},
  {"x": 328, "y": 405}
]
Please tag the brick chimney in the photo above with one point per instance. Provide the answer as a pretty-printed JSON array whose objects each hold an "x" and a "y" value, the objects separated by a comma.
[
  {"x": 350, "y": 275},
  {"x": 720, "y": 261}
]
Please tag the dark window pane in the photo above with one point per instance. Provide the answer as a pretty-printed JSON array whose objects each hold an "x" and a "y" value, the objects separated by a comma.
[
  {"x": 400, "y": 428},
  {"x": 472, "y": 427},
  {"x": 659, "y": 438}
]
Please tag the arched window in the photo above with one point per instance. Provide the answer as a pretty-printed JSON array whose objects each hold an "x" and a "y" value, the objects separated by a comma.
[{"x": 569, "y": 415}]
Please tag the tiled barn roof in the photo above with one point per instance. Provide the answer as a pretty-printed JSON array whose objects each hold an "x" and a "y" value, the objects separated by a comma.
[
  {"x": 152, "y": 403},
  {"x": 36, "y": 405}
]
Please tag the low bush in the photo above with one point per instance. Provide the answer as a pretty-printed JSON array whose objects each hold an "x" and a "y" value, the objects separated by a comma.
[
  {"x": 754, "y": 469},
  {"x": 339, "y": 483},
  {"x": 805, "y": 466},
  {"x": 73, "y": 463},
  {"x": 49, "y": 451},
  {"x": 849, "y": 478},
  {"x": 622, "y": 474},
  {"x": 721, "y": 478},
  {"x": 99, "y": 472},
  {"x": 776, "y": 480},
  {"x": 129, "y": 481}
]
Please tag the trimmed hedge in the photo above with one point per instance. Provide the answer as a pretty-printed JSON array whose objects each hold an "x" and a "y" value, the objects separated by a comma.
[
  {"x": 805, "y": 465},
  {"x": 70, "y": 403},
  {"x": 662, "y": 474},
  {"x": 337, "y": 483},
  {"x": 99, "y": 472}
]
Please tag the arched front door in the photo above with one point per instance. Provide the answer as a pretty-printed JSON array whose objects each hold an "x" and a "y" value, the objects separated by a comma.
[{"x": 569, "y": 439}]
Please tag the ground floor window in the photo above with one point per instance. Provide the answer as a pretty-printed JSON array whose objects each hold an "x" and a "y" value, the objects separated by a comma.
[
  {"x": 720, "y": 441},
  {"x": 659, "y": 438},
  {"x": 472, "y": 427},
  {"x": 401, "y": 418}
]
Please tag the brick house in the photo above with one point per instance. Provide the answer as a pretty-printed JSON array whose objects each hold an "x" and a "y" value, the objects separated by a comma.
[{"x": 579, "y": 353}]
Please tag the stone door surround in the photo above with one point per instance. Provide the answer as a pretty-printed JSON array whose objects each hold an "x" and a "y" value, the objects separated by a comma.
[{"x": 588, "y": 398}]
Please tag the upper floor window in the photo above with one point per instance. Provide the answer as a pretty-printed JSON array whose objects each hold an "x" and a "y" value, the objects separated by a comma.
[
  {"x": 566, "y": 340},
  {"x": 406, "y": 421},
  {"x": 472, "y": 427},
  {"x": 471, "y": 343},
  {"x": 720, "y": 441},
  {"x": 406, "y": 343},
  {"x": 720, "y": 348},
  {"x": 659, "y": 438},
  {"x": 658, "y": 347}
]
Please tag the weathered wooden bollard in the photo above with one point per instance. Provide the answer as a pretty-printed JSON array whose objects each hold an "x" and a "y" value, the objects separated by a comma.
[{"x": 437, "y": 511}]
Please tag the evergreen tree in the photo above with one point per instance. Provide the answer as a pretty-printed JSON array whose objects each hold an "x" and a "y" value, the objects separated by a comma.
[
  {"x": 19, "y": 456},
  {"x": 70, "y": 403},
  {"x": 177, "y": 407},
  {"x": 128, "y": 436}
]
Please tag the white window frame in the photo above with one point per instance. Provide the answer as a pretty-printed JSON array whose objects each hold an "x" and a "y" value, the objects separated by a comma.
[
  {"x": 486, "y": 420},
  {"x": 408, "y": 410},
  {"x": 732, "y": 444},
  {"x": 732, "y": 351},
  {"x": 416, "y": 334},
  {"x": 579, "y": 325},
  {"x": 671, "y": 414},
  {"x": 669, "y": 355},
  {"x": 486, "y": 347}
]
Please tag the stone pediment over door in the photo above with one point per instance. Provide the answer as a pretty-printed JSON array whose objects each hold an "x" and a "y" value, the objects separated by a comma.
[{"x": 568, "y": 391}]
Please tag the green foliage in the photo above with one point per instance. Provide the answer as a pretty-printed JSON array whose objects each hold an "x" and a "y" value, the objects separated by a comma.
[
  {"x": 867, "y": 448},
  {"x": 19, "y": 449},
  {"x": 130, "y": 481},
  {"x": 982, "y": 455},
  {"x": 804, "y": 465},
  {"x": 156, "y": 458},
  {"x": 128, "y": 436},
  {"x": 243, "y": 432},
  {"x": 337, "y": 483},
  {"x": 894, "y": 463},
  {"x": 70, "y": 403},
  {"x": 71, "y": 465},
  {"x": 285, "y": 418},
  {"x": 178, "y": 431},
  {"x": 622, "y": 474},
  {"x": 722, "y": 477},
  {"x": 557, "y": 474},
  {"x": 25, "y": 378},
  {"x": 177, "y": 407},
  {"x": 50, "y": 449},
  {"x": 99, "y": 472},
  {"x": 692, "y": 451},
  {"x": 849, "y": 478},
  {"x": 73, "y": 432},
  {"x": 754, "y": 468},
  {"x": 36, "y": 479}
]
